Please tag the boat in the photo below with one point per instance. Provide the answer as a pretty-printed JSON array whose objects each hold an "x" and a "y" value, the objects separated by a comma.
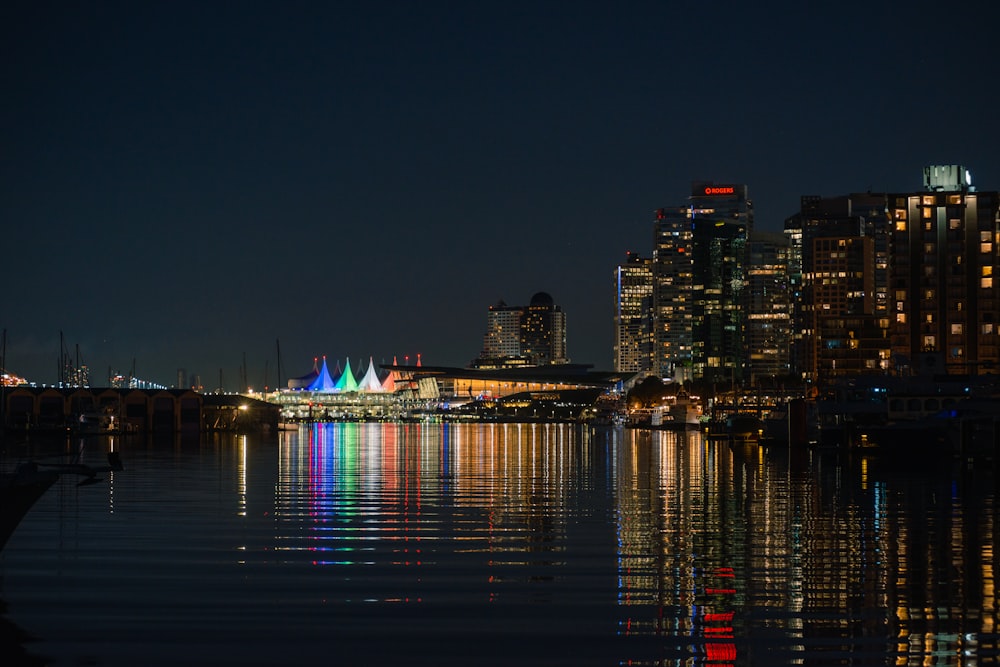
[{"x": 685, "y": 411}]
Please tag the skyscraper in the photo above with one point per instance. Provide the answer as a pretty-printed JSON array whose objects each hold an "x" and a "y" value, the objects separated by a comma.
[
  {"x": 673, "y": 278},
  {"x": 769, "y": 304},
  {"x": 699, "y": 309},
  {"x": 633, "y": 315}
]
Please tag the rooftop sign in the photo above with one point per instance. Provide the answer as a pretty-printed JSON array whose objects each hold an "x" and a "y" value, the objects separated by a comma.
[{"x": 714, "y": 190}]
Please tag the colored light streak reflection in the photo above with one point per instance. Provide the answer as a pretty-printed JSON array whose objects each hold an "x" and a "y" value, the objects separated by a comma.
[
  {"x": 401, "y": 495},
  {"x": 757, "y": 558},
  {"x": 610, "y": 546},
  {"x": 720, "y": 551}
]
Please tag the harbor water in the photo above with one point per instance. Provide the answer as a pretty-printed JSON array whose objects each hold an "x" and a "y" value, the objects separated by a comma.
[{"x": 500, "y": 544}]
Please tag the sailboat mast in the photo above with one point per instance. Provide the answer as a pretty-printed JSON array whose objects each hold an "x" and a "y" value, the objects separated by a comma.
[{"x": 277, "y": 344}]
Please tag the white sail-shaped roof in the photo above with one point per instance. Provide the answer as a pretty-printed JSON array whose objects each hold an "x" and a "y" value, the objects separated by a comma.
[
  {"x": 347, "y": 381},
  {"x": 370, "y": 381}
]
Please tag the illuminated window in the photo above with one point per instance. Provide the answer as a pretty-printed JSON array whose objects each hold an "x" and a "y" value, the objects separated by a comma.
[
  {"x": 901, "y": 225},
  {"x": 984, "y": 236},
  {"x": 928, "y": 200},
  {"x": 986, "y": 283},
  {"x": 954, "y": 223},
  {"x": 929, "y": 343},
  {"x": 987, "y": 328},
  {"x": 901, "y": 295},
  {"x": 929, "y": 248},
  {"x": 987, "y": 270},
  {"x": 899, "y": 305},
  {"x": 956, "y": 328},
  {"x": 929, "y": 294},
  {"x": 957, "y": 351},
  {"x": 926, "y": 213},
  {"x": 929, "y": 318},
  {"x": 901, "y": 318}
]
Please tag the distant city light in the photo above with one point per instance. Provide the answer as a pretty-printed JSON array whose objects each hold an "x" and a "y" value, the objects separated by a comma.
[{"x": 11, "y": 380}]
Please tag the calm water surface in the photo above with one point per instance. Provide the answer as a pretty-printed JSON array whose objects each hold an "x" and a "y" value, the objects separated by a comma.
[{"x": 415, "y": 544}]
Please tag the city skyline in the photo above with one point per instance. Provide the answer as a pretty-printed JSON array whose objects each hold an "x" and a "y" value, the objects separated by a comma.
[{"x": 184, "y": 186}]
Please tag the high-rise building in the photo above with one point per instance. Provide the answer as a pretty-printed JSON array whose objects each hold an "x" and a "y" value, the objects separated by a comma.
[
  {"x": 699, "y": 309},
  {"x": 673, "y": 279},
  {"x": 840, "y": 321},
  {"x": 769, "y": 304},
  {"x": 543, "y": 331},
  {"x": 899, "y": 283},
  {"x": 531, "y": 335},
  {"x": 503, "y": 332},
  {"x": 849, "y": 337},
  {"x": 633, "y": 315},
  {"x": 945, "y": 276}
]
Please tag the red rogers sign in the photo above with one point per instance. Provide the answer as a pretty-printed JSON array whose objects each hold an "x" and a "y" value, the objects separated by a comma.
[{"x": 720, "y": 190}]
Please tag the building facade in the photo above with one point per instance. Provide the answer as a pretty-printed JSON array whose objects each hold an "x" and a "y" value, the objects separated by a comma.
[
  {"x": 944, "y": 291},
  {"x": 699, "y": 307},
  {"x": 840, "y": 320},
  {"x": 633, "y": 351},
  {"x": 543, "y": 331},
  {"x": 532, "y": 335},
  {"x": 849, "y": 337},
  {"x": 898, "y": 283},
  {"x": 503, "y": 332},
  {"x": 673, "y": 280},
  {"x": 769, "y": 302}
]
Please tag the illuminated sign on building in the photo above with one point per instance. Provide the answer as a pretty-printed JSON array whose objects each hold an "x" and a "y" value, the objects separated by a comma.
[{"x": 717, "y": 190}]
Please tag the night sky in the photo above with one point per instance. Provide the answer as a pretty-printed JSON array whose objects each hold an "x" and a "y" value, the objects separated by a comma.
[{"x": 184, "y": 184}]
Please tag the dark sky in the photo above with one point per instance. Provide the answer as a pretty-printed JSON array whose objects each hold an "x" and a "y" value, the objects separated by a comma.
[{"x": 186, "y": 183}]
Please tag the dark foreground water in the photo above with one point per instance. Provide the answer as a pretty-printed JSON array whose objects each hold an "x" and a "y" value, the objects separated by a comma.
[{"x": 370, "y": 544}]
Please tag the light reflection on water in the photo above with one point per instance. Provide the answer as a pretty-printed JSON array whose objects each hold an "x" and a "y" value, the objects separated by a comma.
[{"x": 505, "y": 544}]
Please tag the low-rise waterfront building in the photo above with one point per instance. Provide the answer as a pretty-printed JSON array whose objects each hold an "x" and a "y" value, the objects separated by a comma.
[{"x": 96, "y": 410}]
